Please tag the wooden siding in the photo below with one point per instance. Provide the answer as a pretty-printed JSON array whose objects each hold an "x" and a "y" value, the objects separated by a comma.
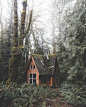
[
  {"x": 33, "y": 71},
  {"x": 49, "y": 80}
]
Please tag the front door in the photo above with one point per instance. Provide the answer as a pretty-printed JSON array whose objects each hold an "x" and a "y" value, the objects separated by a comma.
[{"x": 32, "y": 78}]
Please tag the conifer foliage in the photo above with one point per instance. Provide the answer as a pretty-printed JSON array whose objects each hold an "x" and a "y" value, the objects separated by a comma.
[
  {"x": 77, "y": 41},
  {"x": 72, "y": 59}
]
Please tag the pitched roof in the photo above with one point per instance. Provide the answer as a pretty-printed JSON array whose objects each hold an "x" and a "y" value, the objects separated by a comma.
[{"x": 45, "y": 66}]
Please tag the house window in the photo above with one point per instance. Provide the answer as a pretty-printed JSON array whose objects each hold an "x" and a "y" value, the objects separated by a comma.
[
  {"x": 30, "y": 67},
  {"x": 32, "y": 78},
  {"x": 34, "y": 67}
]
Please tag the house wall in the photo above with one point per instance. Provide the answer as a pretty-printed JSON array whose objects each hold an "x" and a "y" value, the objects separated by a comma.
[
  {"x": 56, "y": 72},
  {"x": 48, "y": 80},
  {"x": 33, "y": 71}
]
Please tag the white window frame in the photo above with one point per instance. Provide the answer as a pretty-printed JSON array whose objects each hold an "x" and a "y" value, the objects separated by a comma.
[
  {"x": 33, "y": 67},
  {"x": 30, "y": 67},
  {"x": 32, "y": 77}
]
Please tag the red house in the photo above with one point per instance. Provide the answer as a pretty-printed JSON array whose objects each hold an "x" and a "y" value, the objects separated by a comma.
[{"x": 42, "y": 70}]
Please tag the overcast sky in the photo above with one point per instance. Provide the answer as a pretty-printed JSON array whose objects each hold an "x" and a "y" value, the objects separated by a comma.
[{"x": 42, "y": 7}]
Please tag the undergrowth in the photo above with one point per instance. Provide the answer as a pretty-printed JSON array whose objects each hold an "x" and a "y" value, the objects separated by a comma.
[
  {"x": 25, "y": 95},
  {"x": 73, "y": 94}
]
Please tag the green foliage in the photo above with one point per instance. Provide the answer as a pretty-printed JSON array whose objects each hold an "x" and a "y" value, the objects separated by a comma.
[
  {"x": 77, "y": 44},
  {"x": 72, "y": 58},
  {"x": 74, "y": 94},
  {"x": 24, "y": 95},
  {"x": 4, "y": 63},
  {"x": 6, "y": 96}
]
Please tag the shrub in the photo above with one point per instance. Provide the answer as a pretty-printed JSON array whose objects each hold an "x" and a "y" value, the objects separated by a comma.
[{"x": 74, "y": 94}]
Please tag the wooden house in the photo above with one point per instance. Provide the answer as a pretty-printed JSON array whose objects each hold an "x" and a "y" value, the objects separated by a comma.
[{"x": 42, "y": 70}]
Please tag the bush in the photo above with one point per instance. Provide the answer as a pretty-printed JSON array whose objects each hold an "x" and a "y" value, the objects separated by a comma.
[
  {"x": 24, "y": 95},
  {"x": 74, "y": 94}
]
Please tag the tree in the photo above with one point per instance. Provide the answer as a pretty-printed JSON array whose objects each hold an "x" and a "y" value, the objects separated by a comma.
[
  {"x": 74, "y": 56},
  {"x": 17, "y": 49},
  {"x": 72, "y": 50},
  {"x": 77, "y": 40}
]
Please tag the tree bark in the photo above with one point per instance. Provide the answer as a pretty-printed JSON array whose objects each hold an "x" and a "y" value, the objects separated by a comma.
[
  {"x": 15, "y": 24},
  {"x": 16, "y": 50},
  {"x": 23, "y": 15}
]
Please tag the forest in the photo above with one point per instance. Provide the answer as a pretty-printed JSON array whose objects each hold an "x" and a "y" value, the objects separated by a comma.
[{"x": 52, "y": 27}]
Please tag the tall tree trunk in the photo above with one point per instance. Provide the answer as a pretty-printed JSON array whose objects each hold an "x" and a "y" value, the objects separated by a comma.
[
  {"x": 16, "y": 50},
  {"x": 23, "y": 15},
  {"x": 13, "y": 65},
  {"x": 15, "y": 24}
]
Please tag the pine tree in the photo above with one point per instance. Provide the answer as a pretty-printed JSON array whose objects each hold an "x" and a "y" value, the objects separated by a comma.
[
  {"x": 76, "y": 38},
  {"x": 71, "y": 58}
]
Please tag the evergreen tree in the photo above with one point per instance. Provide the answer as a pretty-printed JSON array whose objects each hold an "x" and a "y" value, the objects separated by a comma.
[{"x": 75, "y": 61}]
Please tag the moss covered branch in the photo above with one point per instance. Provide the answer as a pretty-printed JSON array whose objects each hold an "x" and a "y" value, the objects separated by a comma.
[
  {"x": 17, "y": 49},
  {"x": 23, "y": 15},
  {"x": 15, "y": 34},
  {"x": 28, "y": 28}
]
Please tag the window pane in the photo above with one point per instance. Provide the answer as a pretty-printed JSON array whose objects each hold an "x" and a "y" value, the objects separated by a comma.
[
  {"x": 34, "y": 81},
  {"x": 30, "y": 76},
  {"x": 34, "y": 75},
  {"x": 30, "y": 81},
  {"x": 34, "y": 67},
  {"x": 30, "y": 67}
]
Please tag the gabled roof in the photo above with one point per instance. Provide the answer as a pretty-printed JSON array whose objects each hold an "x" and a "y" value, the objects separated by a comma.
[{"x": 45, "y": 66}]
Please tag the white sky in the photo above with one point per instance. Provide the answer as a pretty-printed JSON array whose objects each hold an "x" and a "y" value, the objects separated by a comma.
[
  {"x": 41, "y": 7},
  {"x": 38, "y": 5}
]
